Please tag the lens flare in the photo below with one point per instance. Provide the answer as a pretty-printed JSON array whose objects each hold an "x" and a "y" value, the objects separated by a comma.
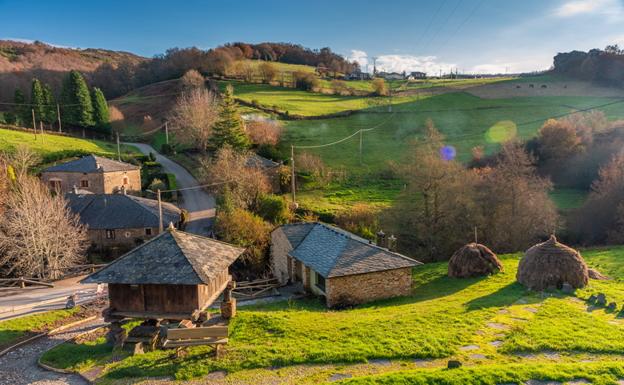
[
  {"x": 501, "y": 132},
  {"x": 448, "y": 152}
]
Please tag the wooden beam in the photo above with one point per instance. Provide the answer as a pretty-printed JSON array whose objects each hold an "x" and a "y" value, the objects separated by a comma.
[
  {"x": 152, "y": 315},
  {"x": 194, "y": 333},
  {"x": 179, "y": 343}
]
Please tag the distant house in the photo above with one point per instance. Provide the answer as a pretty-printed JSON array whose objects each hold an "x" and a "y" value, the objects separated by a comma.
[
  {"x": 270, "y": 168},
  {"x": 391, "y": 75},
  {"x": 417, "y": 75},
  {"x": 173, "y": 276},
  {"x": 338, "y": 265},
  {"x": 358, "y": 75},
  {"x": 119, "y": 220},
  {"x": 93, "y": 173}
]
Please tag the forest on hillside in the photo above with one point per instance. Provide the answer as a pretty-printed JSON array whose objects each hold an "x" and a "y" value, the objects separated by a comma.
[{"x": 604, "y": 66}]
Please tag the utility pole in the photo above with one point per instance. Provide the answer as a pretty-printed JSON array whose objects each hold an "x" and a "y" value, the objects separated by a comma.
[
  {"x": 118, "y": 148},
  {"x": 41, "y": 127},
  {"x": 166, "y": 133},
  {"x": 475, "y": 234},
  {"x": 160, "y": 215},
  {"x": 292, "y": 175},
  {"x": 58, "y": 115},
  {"x": 34, "y": 123}
]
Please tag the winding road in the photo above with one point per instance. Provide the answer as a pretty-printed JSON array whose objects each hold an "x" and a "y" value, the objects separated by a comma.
[{"x": 200, "y": 204}]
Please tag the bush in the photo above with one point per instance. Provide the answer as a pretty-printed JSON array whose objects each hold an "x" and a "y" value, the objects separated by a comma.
[
  {"x": 305, "y": 81},
  {"x": 360, "y": 219},
  {"x": 379, "y": 87},
  {"x": 270, "y": 151},
  {"x": 151, "y": 157},
  {"x": 274, "y": 209},
  {"x": 167, "y": 149},
  {"x": 243, "y": 228}
]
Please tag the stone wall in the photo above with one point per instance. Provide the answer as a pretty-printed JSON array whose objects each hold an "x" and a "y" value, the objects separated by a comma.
[
  {"x": 280, "y": 247},
  {"x": 113, "y": 181},
  {"x": 360, "y": 288},
  {"x": 123, "y": 237},
  {"x": 70, "y": 179},
  {"x": 98, "y": 183}
]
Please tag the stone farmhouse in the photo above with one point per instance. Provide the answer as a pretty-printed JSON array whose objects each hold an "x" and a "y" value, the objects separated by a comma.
[
  {"x": 338, "y": 265},
  {"x": 120, "y": 220},
  {"x": 93, "y": 173}
]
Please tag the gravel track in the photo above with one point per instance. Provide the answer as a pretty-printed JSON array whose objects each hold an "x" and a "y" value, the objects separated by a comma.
[{"x": 19, "y": 366}]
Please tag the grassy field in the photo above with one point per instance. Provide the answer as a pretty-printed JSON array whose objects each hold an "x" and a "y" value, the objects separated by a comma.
[
  {"x": 566, "y": 199},
  {"x": 444, "y": 318},
  {"x": 46, "y": 144},
  {"x": 13, "y": 330},
  {"x": 304, "y": 103}
]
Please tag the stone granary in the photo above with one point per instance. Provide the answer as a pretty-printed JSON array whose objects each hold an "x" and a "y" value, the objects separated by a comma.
[
  {"x": 174, "y": 276},
  {"x": 120, "y": 220},
  {"x": 338, "y": 265},
  {"x": 93, "y": 173}
]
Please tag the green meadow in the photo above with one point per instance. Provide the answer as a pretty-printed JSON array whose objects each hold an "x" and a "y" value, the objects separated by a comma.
[{"x": 487, "y": 323}]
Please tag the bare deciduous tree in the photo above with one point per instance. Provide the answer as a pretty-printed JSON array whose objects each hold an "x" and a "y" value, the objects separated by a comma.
[
  {"x": 246, "y": 183},
  {"x": 192, "y": 79},
  {"x": 38, "y": 233},
  {"x": 264, "y": 131},
  {"x": 268, "y": 71},
  {"x": 194, "y": 115}
]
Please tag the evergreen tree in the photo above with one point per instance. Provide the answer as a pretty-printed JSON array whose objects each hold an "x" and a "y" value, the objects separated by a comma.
[
  {"x": 22, "y": 110},
  {"x": 229, "y": 127},
  {"x": 101, "y": 116},
  {"x": 37, "y": 99},
  {"x": 49, "y": 109},
  {"x": 77, "y": 109}
]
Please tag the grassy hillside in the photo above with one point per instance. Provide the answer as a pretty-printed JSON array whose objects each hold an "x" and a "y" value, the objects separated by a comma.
[
  {"x": 304, "y": 103},
  {"x": 54, "y": 146},
  {"x": 466, "y": 120},
  {"x": 487, "y": 322}
]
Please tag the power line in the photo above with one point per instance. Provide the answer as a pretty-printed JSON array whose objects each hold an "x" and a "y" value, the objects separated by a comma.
[
  {"x": 435, "y": 15},
  {"x": 442, "y": 25},
  {"x": 461, "y": 25}
]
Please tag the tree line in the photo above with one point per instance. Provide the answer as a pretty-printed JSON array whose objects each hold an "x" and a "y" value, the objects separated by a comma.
[
  {"x": 78, "y": 106},
  {"x": 606, "y": 66},
  {"x": 175, "y": 62}
]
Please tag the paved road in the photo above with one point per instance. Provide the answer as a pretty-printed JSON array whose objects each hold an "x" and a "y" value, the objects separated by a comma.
[
  {"x": 19, "y": 366},
  {"x": 199, "y": 204},
  {"x": 20, "y": 302}
]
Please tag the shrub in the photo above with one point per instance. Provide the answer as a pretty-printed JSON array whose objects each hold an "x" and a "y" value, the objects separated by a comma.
[
  {"x": 379, "y": 87},
  {"x": 265, "y": 131},
  {"x": 360, "y": 219},
  {"x": 167, "y": 149},
  {"x": 243, "y": 228},
  {"x": 274, "y": 209},
  {"x": 305, "y": 81}
]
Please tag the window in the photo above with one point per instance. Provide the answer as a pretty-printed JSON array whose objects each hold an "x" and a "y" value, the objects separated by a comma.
[
  {"x": 110, "y": 234},
  {"x": 55, "y": 185},
  {"x": 148, "y": 231},
  {"x": 320, "y": 281},
  {"x": 84, "y": 183},
  {"x": 125, "y": 180}
]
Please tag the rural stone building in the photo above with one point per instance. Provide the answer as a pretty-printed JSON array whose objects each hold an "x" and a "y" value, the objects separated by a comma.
[
  {"x": 338, "y": 265},
  {"x": 93, "y": 173},
  {"x": 173, "y": 276},
  {"x": 120, "y": 220}
]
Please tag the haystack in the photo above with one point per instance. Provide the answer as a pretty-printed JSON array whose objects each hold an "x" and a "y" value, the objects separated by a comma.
[
  {"x": 551, "y": 264},
  {"x": 473, "y": 260}
]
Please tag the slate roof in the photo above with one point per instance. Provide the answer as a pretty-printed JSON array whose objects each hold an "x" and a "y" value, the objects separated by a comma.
[
  {"x": 333, "y": 252},
  {"x": 92, "y": 164},
  {"x": 119, "y": 211},
  {"x": 171, "y": 258},
  {"x": 258, "y": 161}
]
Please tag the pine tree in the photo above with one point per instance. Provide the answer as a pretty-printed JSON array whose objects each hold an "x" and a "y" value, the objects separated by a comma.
[
  {"x": 101, "y": 116},
  {"x": 77, "y": 109},
  {"x": 37, "y": 99},
  {"x": 229, "y": 128},
  {"x": 21, "y": 109},
  {"x": 49, "y": 109}
]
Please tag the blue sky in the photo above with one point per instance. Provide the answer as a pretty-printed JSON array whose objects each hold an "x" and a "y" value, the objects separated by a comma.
[{"x": 471, "y": 35}]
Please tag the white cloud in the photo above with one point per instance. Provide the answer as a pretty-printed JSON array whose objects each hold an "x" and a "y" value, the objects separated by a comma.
[
  {"x": 400, "y": 63},
  {"x": 498, "y": 66},
  {"x": 359, "y": 56},
  {"x": 613, "y": 10}
]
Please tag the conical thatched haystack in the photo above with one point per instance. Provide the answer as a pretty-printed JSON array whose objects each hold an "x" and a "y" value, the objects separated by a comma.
[
  {"x": 472, "y": 260},
  {"x": 551, "y": 264}
]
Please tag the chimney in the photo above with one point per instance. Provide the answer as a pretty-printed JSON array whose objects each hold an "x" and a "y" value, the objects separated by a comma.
[
  {"x": 392, "y": 241},
  {"x": 381, "y": 239}
]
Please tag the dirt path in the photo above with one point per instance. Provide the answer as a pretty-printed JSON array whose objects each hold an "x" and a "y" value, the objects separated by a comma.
[
  {"x": 19, "y": 366},
  {"x": 200, "y": 204}
]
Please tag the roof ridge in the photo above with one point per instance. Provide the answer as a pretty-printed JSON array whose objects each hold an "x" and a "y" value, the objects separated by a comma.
[
  {"x": 200, "y": 276},
  {"x": 146, "y": 208}
]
